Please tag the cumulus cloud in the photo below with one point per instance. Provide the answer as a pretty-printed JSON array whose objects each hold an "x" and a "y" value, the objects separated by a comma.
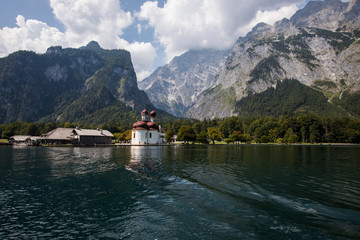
[
  {"x": 270, "y": 17},
  {"x": 29, "y": 35},
  {"x": 84, "y": 21},
  {"x": 191, "y": 24},
  {"x": 87, "y": 20},
  {"x": 143, "y": 55}
]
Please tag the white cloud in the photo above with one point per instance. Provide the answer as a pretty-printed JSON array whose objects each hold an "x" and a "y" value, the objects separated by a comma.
[
  {"x": 104, "y": 22},
  {"x": 143, "y": 55},
  {"x": 270, "y": 17},
  {"x": 87, "y": 20},
  {"x": 29, "y": 35},
  {"x": 188, "y": 24},
  {"x": 84, "y": 21},
  {"x": 139, "y": 28}
]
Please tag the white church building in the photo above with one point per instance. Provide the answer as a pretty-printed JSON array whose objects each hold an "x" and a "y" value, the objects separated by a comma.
[{"x": 146, "y": 132}]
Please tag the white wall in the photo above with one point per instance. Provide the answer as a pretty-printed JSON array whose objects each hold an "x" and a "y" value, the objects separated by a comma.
[{"x": 143, "y": 137}]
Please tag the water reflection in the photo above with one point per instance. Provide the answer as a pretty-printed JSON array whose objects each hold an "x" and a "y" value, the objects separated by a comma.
[
  {"x": 75, "y": 161},
  {"x": 182, "y": 192}
]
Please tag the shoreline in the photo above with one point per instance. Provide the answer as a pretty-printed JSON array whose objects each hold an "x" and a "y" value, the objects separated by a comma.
[{"x": 180, "y": 144}]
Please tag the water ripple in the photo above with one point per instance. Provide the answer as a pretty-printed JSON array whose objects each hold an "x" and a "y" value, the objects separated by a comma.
[{"x": 226, "y": 192}]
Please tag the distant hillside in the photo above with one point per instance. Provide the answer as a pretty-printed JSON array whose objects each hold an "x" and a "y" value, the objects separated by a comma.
[{"x": 86, "y": 85}]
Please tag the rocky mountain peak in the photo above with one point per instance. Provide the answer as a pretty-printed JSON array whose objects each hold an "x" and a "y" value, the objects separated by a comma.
[
  {"x": 328, "y": 14},
  {"x": 176, "y": 86},
  {"x": 54, "y": 50},
  {"x": 285, "y": 27},
  {"x": 93, "y": 45},
  {"x": 262, "y": 31},
  {"x": 256, "y": 32}
]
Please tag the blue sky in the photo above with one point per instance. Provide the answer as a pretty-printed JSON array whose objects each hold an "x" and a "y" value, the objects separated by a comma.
[{"x": 153, "y": 31}]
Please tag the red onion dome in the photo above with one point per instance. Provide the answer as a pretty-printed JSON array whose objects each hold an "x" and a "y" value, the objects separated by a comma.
[
  {"x": 144, "y": 112},
  {"x": 152, "y": 126},
  {"x": 140, "y": 125},
  {"x": 153, "y": 114}
]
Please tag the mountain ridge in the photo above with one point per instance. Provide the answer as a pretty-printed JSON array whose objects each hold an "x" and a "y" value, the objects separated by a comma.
[
  {"x": 89, "y": 85},
  {"x": 317, "y": 58},
  {"x": 176, "y": 86}
]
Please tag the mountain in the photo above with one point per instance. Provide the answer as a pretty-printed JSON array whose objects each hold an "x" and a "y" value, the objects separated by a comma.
[
  {"x": 330, "y": 15},
  {"x": 314, "y": 56},
  {"x": 176, "y": 86},
  {"x": 86, "y": 85}
]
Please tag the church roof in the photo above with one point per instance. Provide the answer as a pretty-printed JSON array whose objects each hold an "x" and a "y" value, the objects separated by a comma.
[
  {"x": 145, "y": 125},
  {"x": 141, "y": 125}
]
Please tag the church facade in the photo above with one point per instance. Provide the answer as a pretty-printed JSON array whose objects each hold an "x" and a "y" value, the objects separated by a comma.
[{"x": 146, "y": 131}]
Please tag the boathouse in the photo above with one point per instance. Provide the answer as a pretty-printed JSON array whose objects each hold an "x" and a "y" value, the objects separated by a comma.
[
  {"x": 19, "y": 139},
  {"x": 91, "y": 136},
  {"x": 147, "y": 132},
  {"x": 77, "y": 136}
]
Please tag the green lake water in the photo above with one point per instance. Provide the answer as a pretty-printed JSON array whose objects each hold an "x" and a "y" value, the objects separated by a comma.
[{"x": 180, "y": 192}]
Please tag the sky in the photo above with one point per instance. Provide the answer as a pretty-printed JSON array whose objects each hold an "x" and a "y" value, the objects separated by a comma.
[{"x": 153, "y": 32}]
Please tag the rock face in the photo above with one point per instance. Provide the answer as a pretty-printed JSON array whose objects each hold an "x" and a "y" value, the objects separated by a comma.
[
  {"x": 176, "y": 86},
  {"x": 318, "y": 47},
  {"x": 89, "y": 85},
  {"x": 329, "y": 14}
]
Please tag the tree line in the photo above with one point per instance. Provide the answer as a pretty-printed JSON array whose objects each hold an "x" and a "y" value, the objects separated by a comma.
[{"x": 305, "y": 128}]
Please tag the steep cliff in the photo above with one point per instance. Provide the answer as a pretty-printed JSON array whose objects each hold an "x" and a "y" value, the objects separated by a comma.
[{"x": 89, "y": 85}]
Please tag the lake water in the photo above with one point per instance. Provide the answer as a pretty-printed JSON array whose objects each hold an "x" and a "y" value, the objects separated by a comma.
[{"x": 181, "y": 192}]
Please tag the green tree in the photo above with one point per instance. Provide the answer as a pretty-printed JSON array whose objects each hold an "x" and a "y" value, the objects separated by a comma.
[
  {"x": 48, "y": 127},
  {"x": 315, "y": 135},
  {"x": 246, "y": 138},
  {"x": 214, "y": 134},
  {"x": 7, "y": 132},
  {"x": 290, "y": 137},
  {"x": 311, "y": 128},
  {"x": 261, "y": 127},
  {"x": 187, "y": 134},
  {"x": 169, "y": 135},
  {"x": 202, "y": 138},
  {"x": 198, "y": 127},
  {"x": 127, "y": 135},
  {"x": 118, "y": 136},
  {"x": 236, "y": 136},
  {"x": 32, "y": 129}
]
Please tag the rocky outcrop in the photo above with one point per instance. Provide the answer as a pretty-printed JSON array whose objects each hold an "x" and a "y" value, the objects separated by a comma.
[
  {"x": 329, "y": 14},
  {"x": 176, "y": 86}
]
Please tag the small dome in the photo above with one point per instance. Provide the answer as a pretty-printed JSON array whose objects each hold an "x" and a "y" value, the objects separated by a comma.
[
  {"x": 144, "y": 112},
  {"x": 153, "y": 114},
  {"x": 140, "y": 125},
  {"x": 152, "y": 126}
]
